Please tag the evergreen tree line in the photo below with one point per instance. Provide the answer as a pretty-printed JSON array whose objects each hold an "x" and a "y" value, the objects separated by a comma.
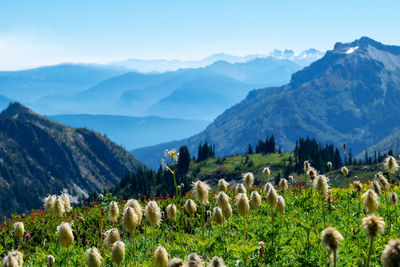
[
  {"x": 264, "y": 147},
  {"x": 205, "y": 151}
]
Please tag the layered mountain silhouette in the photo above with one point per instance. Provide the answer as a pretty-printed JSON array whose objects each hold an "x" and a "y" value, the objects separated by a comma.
[
  {"x": 39, "y": 156},
  {"x": 351, "y": 95}
]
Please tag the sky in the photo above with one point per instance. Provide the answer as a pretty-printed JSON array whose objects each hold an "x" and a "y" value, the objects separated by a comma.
[{"x": 45, "y": 32}]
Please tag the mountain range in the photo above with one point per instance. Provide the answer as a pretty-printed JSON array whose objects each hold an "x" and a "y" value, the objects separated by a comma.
[
  {"x": 39, "y": 156},
  {"x": 351, "y": 95}
]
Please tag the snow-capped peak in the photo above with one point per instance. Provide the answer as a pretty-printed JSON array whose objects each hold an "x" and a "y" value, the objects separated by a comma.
[{"x": 351, "y": 50}]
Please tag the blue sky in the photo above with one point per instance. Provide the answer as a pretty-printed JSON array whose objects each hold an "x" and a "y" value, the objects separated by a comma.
[{"x": 47, "y": 32}]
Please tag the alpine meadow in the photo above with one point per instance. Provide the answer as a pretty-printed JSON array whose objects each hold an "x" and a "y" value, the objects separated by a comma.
[{"x": 199, "y": 134}]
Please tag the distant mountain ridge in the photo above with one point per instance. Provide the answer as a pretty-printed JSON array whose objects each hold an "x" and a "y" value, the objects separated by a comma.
[
  {"x": 39, "y": 157},
  {"x": 351, "y": 95}
]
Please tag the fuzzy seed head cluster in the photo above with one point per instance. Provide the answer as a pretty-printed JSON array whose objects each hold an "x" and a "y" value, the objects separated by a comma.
[
  {"x": 371, "y": 200},
  {"x": 118, "y": 252},
  {"x": 13, "y": 259},
  {"x": 190, "y": 207},
  {"x": 383, "y": 181},
  {"x": 65, "y": 235},
  {"x": 393, "y": 198},
  {"x": 56, "y": 206},
  {"x": 217, "y": 217},
  {"x": 344, "y": 171},
  {"x": 175, "y": 262},
  {"x": 133, "y": 203},
  {"x": 223, "y": 185},
  {"x": 331, "y": 238},
  {"x": 321, "y": 184},
  {"x": 50, "y": 260},
  {"x": 113, "y": 212},
  {"x": 19, "y": 230},
  {"x": 50, "y": 204},
  {"x": 101, "y": 197},
  {"x": 373, "y": 225},
  {"x": 111, "y": 236},
  {"x": 391, "y": 254},
  {"x": 153, "y": 213},
  {"x": 280, "y": 204},
  {"x": 222, "y": 201},
  {"x": 248, "y": 179},
  {"x": 217, "y": 262},
  {"x": 266, "y": 172},
  {"x": 358, "y": 186},
  {"x": 161, "y": 257},
  {"x": 272, "y": 197},
  {"x": 312, "y": 173},
  {"x": 242, "y": 203},
  {"x": 59, "y": 209},
  {"x": 200, "y": 191},
  {"x": 194, "y": 260},
  {"x": 65, "y": 198},
  {"x": 171, "y": 212},
  {"x": 240, "y": 188},
  {"x": 376, "y": 187},
  {"x": 93, "y": 257},
  {"x": 307, "y": 166},
  {"x": 283, "y": 184},
  {"x": 291, "y": 179},
  {"x": 129, "y": 220},
  {"x": 329, "y": 165},
  {"x": 267, "y": 187},
  {"x": 255, "y": 200},
  {"x": 390, "y": 164}
]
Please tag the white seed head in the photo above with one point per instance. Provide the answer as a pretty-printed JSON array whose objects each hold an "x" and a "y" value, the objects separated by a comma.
[
  {"x": 222, "y": 185},
  {"x": 280, "y": 204},
  {"x": 390, "y": 164},
  {"x": 19, "y": 230},
  {"x": 50, "y": 260},
  {"x": 331, "y": 238},
  {"x": 248, "y": 179},
  {"x": 217, "y": 262},
  {"x": 329, "y": 164},
  {"x": 153, "y": 213},
  {"x": 50, "y": 204},
  {"x": 391, "y": 254},
  {"x": 190, "y": 207},
  {"x": 283, "y": 184},
  {"x": 267, "y": 187},
  {"x": 321, "y": 184},
  {"x": 129, "y": 220},
  {"x": 272, "y": 197},
  {"x": 242, "y": 203},
  {"x": 172, "y": 212},
  {"x": 371, "y": 200},
  {"x": 113, "y": 212},
  {"x": 93, "y": 257},
  {"x": 118, "y": 252},
  {"x": 240, "y": 188},
  {"x": 65, "y": 235},
  {"x": 255, "y": 200},
  {"x": 344, "y": 171},
  {"x": 161, "y": 257},
  {"x": 194, "y": 260},
  {"x": 373, "y": 225},
  {"x": 111, "y": 236},
  {"x": 13, "y": 259},
  {"x": 200, "y": 191},
  {"x": 59, "y": 207},
  {"x": 217, "y": 217},
  {"x": 66, "y": 201},
  {"x": 267, "y": 172},
  {"x": 133, "y": 203},
  {"x": 175, "y": 262}
]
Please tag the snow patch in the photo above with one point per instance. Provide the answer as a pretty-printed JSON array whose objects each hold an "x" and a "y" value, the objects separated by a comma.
[{"x": 351, "y": 50}]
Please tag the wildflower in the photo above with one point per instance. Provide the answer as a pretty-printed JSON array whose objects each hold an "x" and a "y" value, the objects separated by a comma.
[
  {"x": 321, "y": 184},
  {"x": 217, "y": 216},
  {"x": 129, "y": 220},
  {"x": 242, "y": 203},
  {"x": 111, "y": 236},
  {"x": 153, "y": 213},
  {"x": 161, "y": 257},
  {"x": 175, "y": 262},
  {"x": 118, "y": 252},
  {"x": 222, "y": 185},
  {"x": 312, "y": 173},
  {"x": 331, "y": 238},
  {"x": 267, "y": 187},
  {"x": 261, "y": 249},
  {"x": 171, "y": 212},
  {"x": 133, "y": 203},
  {"x": 113, "y": 212},
  {"x": 13, "y": 259},
  {"x": 222, "y": 201},
  {"x": 373, "y": 225},
  {"x": 371, "y": 200},
  {"x": 93, "y": 257},
  {"x": 280, "y": 204},
  {"x": 390, "y": 164},
  {"x": 190, "y": 207},
  {"x": 291, "y": 179},
  {"x": 50, "y": 261},
  {"x": 272, "y": 197},
  {"x": 344, "y": 171},
  {"x": 376, "y": 187},
  {"x": 66, "y": 201},
  {"x": 283, "y": 185},
  {"x": 255, "y": 199},
  {"x": 101, "y": 197},
  {"x": 266, "y": 172},
  {"x": 329, "y": 165},
  {"x": 248, "y": 179},
  {"x": 49, "y": 204},
  {"x": 358, "y": 186},
  {"x": 391, "y": 254},
  {"x": 194, "y": 260},
  {"x": 28, "y": 235},
  {"x": 59, "y": 207},
  {"x": 65, "y": 235},
  {"x": 383, "y": 181},
  {"x": 240, "y": 189},
  {"x": 200, "y": 191},
  {"x": 217, "y": 262},
  {"x": 19, "y": 230}
]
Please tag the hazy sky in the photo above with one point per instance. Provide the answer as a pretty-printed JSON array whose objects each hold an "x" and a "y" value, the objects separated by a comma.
[{"x": 47, "y": 32}]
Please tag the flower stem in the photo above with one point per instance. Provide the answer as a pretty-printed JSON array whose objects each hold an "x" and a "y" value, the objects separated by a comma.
[
  {"x": 371, "y": 243},
  {"x": 323, "y": 209},
  {"x": 335, "y": 258}
]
